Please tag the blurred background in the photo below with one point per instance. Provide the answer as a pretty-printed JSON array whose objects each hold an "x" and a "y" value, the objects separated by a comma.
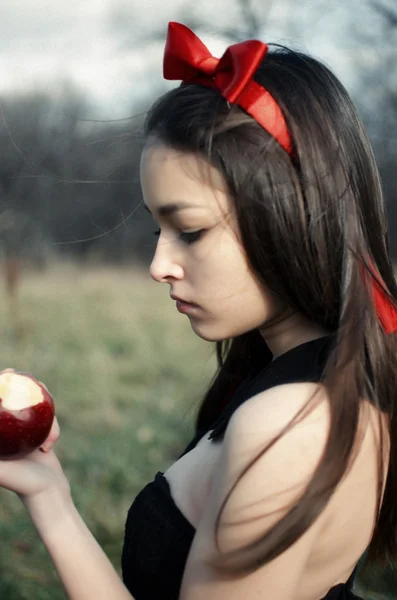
[{"x": 77, "y": 306}]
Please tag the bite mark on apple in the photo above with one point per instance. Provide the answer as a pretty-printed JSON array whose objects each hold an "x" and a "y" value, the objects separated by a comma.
[{"x": 18, "y": 392}]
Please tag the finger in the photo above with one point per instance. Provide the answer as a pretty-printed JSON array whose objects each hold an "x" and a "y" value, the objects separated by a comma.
[
  {"x": 52, "y": 438},
  {"x": 55, "y": 430}
]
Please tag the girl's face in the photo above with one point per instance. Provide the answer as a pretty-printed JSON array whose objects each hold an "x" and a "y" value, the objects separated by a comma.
[{"x": 198, "y": 251}]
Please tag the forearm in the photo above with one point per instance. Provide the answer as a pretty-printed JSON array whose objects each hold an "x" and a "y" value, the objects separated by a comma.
[{"x": 82, "y": 566}]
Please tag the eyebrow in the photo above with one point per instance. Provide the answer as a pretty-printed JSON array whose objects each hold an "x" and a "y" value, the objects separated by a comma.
[{"x": 169, "y": 209}]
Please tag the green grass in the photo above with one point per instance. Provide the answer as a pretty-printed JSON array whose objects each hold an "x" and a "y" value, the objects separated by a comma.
[{"x": 127, "y": 373}]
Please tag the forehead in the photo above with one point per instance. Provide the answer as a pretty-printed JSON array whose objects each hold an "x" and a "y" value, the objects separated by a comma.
[{"x": 167, "y": 174}]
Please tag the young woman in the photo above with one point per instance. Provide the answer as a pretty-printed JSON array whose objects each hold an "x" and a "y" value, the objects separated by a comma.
[{"x": 273, "y": 241}]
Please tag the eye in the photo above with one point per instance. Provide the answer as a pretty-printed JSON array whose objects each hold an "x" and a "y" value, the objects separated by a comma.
[
  {"x": 185, "y": 237},
  {"x": 190, "y": 238}
]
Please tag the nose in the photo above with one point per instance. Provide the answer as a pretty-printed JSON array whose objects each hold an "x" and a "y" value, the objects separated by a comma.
[{"x": 165, "y": 265}]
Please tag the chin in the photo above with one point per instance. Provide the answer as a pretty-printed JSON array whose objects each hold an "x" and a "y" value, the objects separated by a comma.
[{"x": 211, "y": 336}]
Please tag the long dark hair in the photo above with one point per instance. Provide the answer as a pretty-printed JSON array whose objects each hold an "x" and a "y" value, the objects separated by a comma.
[{"x": 310, "y": 224}]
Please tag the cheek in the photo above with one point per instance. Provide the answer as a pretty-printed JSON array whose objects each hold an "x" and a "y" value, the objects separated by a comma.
[
  {"x": 229, "y": 272},
  {"x": 233, "y": 300},
  {"x": 220, "y": 263}
]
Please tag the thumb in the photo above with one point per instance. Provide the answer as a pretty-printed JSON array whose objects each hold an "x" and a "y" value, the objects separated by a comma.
[{"x": 52, "y": 438}]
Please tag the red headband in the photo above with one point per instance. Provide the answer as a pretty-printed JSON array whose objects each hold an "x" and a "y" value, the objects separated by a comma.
[{"x": 186, "y": 58}]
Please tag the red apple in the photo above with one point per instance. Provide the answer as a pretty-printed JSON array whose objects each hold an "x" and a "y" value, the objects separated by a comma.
[{"x": 26, "y": 414}]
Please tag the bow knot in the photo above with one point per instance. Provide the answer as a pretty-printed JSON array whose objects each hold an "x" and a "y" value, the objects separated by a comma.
[
  {"x": 209, "y": 66},
  {"x": 186, "y": 58}
]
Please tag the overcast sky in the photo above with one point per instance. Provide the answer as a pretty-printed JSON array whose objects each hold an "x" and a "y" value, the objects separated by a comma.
[{"x": 103, "y": 46}]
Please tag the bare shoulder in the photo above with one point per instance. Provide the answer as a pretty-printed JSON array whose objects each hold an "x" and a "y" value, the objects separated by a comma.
[
  {"x": 285, "y": 399},
  {"x": 255, "y": 483},
  {"x": 300, "y": 410},
  {"x": 277, "y": 439}
]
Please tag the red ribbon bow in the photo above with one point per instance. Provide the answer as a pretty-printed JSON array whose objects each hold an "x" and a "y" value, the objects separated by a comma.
[{"x": 186, "y": 58}]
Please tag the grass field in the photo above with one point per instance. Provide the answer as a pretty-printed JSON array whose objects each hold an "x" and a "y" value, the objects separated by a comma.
[{"x": 127, "y": 374}]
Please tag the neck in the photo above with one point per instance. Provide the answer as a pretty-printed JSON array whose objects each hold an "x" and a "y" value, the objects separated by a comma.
[{"x": 292, "y": 331}]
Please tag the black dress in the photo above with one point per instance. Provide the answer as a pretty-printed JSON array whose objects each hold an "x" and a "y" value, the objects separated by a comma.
[{"x": 158, "y": 536}]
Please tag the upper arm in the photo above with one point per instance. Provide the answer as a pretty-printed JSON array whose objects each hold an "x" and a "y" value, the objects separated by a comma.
[{"x": 262, "y": 496}]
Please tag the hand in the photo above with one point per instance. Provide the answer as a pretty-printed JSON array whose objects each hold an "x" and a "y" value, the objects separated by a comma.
[{"x": 37, "y": 472}]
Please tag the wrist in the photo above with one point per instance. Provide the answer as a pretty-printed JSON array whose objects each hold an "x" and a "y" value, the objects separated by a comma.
[{"x": 49, "y": 508}]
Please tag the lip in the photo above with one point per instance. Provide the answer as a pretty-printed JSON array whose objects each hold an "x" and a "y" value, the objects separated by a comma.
[
  {"x": 185, "y": 308},
  {"x": 182, "y": 300}
]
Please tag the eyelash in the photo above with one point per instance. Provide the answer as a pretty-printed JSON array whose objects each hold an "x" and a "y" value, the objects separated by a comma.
[{"x": 187, "y": 238}]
